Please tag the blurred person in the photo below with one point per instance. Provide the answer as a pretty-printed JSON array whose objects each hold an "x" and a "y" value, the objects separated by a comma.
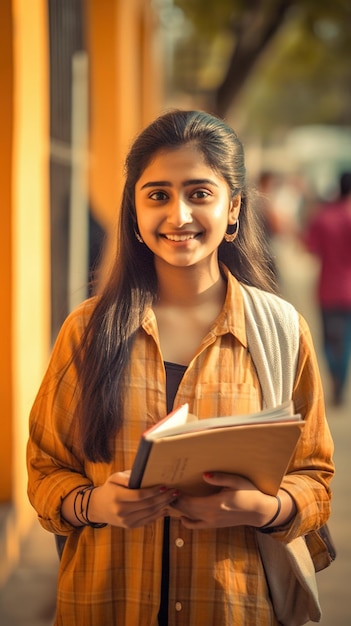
[
  {"x": 269, "y": 219},
  {"x": 290, "y": 198},
  {"x": 169, "y": 327},
  {"x": 328, "y": 237}
]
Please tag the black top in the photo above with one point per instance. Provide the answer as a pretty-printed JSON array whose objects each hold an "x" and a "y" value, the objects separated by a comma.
[{"x": 174, "y": 374}]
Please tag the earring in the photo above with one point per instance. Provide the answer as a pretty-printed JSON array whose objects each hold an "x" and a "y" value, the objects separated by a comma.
[
  {"x": 138, "y": 236},
  {"x": 233, "y": 231}
]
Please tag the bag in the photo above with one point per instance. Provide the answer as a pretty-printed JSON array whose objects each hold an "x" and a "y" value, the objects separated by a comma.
[
  {"x": 321, "y": 547},
  {"x": 273, "y": 338},
  {"x": 290, "y": 572}
]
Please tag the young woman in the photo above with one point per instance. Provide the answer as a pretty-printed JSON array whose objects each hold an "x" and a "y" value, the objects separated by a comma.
[{"x": 169, "y": 328}]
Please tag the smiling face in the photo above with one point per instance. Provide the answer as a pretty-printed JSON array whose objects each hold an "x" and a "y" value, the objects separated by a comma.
[{"x": 183, "y": 208}]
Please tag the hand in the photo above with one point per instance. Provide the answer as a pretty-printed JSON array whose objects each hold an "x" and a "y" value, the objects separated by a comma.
[
  {"x": 238, "y": 502},
  {"x": 114, "y": 503}
]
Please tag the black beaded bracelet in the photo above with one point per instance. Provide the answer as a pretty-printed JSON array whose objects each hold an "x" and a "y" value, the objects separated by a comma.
[
  {"x": 82, "y": 517},
  {"x": 86, "y": 515},
  {"x": 79, "y": 492},
  {"x": 275, "y": 514}
]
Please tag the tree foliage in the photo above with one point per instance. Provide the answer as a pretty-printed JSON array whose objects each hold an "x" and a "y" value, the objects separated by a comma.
[{"x": 286, "y": 57}]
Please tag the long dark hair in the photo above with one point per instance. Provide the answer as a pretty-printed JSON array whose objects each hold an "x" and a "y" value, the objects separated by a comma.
[{"x": 132, "y": 286}]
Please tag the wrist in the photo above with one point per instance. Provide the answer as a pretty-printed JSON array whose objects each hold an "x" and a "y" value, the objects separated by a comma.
[
  {"x": 284, "y": 512},
  {"x": 93, "y": 513},
  {"x": 82, "y": 507},
  {"x": 275, "y": 515},
  {"x": 67, "y": 506}
]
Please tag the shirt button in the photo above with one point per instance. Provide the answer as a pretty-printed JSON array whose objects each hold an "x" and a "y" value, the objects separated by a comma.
[
  {"x": 178, "y": 606},
  {"x": 179, "y": 542}
]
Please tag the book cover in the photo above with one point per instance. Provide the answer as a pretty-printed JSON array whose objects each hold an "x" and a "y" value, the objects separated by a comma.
[{"x": 177, "y": 450}]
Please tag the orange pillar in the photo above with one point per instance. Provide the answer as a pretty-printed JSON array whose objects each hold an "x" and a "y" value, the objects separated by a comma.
[
  {"x": 125, "y": 91},
  {"x": 6, "y": 130},
  {"x": 24, "y": 252},
  {"x": 30, "y": 233}
]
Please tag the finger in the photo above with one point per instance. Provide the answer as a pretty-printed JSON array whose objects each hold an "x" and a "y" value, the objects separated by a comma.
[
  {"x": 158, "y": 502},
  {"x": 191, "y": 507},
  {"x": 145, "y": 516},
  {"x": 231, "y": 481},
  {"x": 192, "y": 524},
  {"x": 131, "y": 514},
  {"x": 121, "y": 479}
]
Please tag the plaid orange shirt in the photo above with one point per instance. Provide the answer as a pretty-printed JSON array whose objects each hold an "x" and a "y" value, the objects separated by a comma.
[{"x": 112, "y": 576}]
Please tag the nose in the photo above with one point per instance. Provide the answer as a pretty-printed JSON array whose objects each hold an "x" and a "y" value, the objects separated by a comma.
[{"x": 179, "y": 213}]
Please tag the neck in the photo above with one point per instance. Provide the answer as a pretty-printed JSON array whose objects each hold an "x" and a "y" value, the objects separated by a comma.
[{"x": 189, "y": 286}]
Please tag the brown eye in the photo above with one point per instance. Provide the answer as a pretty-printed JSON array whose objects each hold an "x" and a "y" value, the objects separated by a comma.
[
  {"x": 200, "y": 194},
  {"x": 158, "y": 195}
]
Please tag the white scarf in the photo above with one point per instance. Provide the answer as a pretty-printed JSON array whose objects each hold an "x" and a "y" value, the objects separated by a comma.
[{"x": 272, "y": 330}]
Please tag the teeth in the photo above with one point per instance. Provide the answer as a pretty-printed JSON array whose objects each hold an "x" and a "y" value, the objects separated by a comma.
[{"x": 180, "y": 237}]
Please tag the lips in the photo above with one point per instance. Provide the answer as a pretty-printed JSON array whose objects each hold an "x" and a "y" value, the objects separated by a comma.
[{"x": 178, "y": 237}]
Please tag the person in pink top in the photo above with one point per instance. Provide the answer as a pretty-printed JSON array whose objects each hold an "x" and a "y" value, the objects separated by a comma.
[{"x": 328, "y": 236}]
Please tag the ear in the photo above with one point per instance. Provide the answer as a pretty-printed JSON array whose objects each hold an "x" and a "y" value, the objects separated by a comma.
[{"x": 234, "y": 209}]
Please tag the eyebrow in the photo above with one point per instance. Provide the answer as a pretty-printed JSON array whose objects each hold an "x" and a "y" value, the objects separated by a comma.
[{"x": 186, "y": 183}]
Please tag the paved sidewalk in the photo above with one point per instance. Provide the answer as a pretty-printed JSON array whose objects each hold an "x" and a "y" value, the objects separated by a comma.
[
  {"x": 28, "y": 599},
  {"x": 334, "y": 582}
]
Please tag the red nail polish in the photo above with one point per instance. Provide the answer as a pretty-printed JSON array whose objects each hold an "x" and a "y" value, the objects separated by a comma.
[
  {"x": 208, "y": 474},
  {"x": 163, "y": 489}
]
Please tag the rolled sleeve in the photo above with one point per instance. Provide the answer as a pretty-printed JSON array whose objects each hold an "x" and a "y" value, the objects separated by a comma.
[{"x": 54, "y": 464}]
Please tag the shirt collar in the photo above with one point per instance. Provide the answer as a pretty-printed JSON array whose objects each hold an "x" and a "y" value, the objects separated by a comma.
[{"x": 232, "y": 318}]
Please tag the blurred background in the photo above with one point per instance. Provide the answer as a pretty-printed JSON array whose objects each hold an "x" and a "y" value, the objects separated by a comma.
[{"x": 79, "y": 79}]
